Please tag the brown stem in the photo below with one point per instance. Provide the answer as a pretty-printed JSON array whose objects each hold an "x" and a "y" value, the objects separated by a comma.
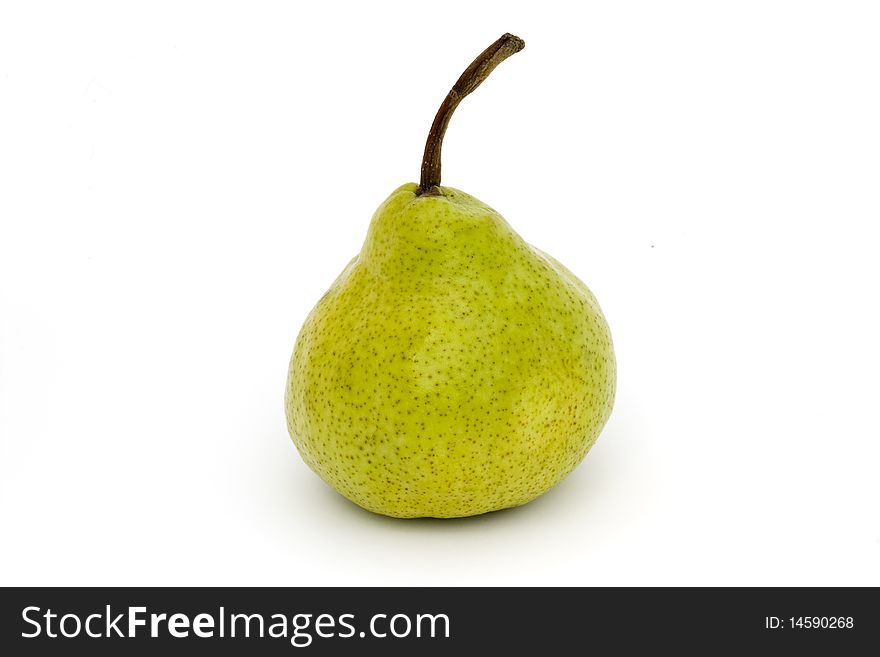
[{"x": 473, "y": 75}]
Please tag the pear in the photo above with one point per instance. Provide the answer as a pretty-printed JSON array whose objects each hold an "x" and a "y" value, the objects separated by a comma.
[{"x": 451, "y": 369}]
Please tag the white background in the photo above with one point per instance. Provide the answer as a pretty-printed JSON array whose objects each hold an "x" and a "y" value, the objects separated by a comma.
[{"x": 180, "y": 182}]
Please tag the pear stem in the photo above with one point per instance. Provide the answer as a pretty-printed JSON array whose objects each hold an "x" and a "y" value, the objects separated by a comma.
[{"x": 472, "y": 77}]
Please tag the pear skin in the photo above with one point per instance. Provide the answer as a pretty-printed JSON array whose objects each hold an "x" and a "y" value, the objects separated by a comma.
[{"x": 451, "y": 369}]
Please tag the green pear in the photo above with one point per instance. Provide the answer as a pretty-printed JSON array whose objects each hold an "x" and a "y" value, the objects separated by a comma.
[{"x": 451, "y": 369}]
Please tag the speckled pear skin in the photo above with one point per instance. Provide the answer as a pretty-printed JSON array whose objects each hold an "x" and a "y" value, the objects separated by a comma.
[{"x": 451, "y": 369}]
